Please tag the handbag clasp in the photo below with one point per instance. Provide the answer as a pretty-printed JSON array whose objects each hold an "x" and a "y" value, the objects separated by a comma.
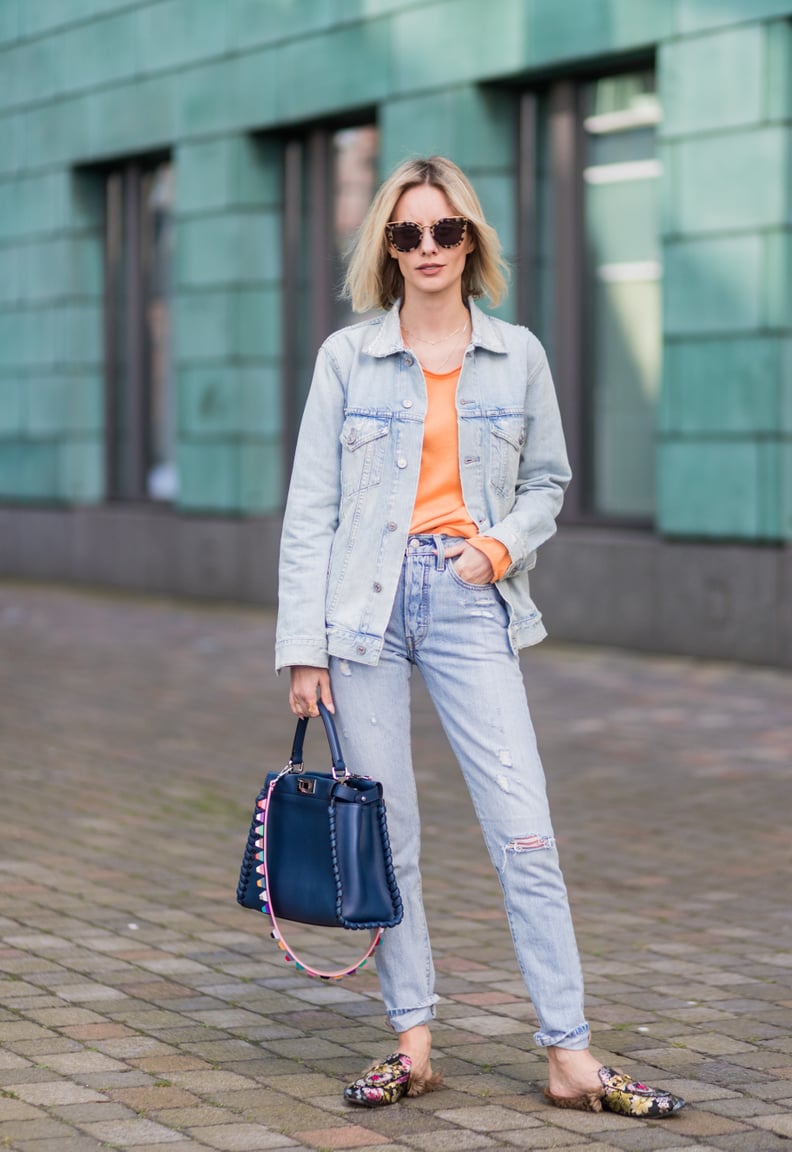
[{"x": 306, "y": 786}]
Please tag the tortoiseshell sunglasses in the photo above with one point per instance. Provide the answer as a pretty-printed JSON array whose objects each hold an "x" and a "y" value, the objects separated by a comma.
[{"x": 406, "y": 235}]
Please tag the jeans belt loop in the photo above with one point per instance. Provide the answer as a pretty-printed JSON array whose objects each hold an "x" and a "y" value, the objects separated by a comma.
[{"x": 440, "y": 546}]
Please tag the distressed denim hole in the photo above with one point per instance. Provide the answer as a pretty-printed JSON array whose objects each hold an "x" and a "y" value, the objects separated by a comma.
[{"x": 532, "y": 843}]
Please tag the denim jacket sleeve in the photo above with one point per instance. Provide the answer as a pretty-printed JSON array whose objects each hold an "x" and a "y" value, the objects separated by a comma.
[
  {"x": 543, "y": 473},
  {"x": 310, "y": 522}
]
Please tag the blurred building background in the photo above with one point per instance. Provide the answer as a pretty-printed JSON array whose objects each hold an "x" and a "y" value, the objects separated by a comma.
[{"x": 179, "y": 179}]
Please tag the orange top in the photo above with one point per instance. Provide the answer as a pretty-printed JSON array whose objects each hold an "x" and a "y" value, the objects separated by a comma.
[{"x": 439, "y": 505}]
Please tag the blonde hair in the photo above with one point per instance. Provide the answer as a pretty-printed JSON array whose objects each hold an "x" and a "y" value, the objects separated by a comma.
[{"x": 373, "y": 278}]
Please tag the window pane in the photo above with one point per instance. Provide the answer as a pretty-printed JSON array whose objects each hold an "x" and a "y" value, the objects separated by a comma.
[
  {"x": 120, "y": 480},
  {"x": 544, "y": 257},
  {"x": 330, "y": 176},
  {"x": 622, "y": 291},
  {"x": 140, "y": 395},
  {"x": 354, "y": 182},
  {"x": 157, "y": 205}
]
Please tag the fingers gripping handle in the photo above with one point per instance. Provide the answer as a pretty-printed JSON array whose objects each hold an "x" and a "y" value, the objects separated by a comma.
[{"x": 296, "y": 758}]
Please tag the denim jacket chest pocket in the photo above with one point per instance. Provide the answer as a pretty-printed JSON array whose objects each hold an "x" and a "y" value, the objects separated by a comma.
[
  {"x": 506, "y": 437},
  {"x": 364, "y": 437}
]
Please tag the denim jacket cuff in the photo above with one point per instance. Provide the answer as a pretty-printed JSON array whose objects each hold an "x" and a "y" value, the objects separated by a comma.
[{"x": 309, "y": 653}]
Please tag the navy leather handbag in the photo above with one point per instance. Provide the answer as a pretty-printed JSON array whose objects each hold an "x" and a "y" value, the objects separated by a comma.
[{"x": 318, "y": 850}]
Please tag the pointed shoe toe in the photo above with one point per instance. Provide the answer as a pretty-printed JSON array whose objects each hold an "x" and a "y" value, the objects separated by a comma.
[
  {"x": 384, "y": 1083},
  {"x": 628, "y": 1097},
  {"x": 390, "y": 1081}
]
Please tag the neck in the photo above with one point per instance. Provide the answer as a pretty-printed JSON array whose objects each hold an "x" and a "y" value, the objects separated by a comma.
[{"x": 433, "y": 317}]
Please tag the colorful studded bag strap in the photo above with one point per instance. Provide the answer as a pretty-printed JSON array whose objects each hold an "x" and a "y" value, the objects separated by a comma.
[{"x": 290, "y": 954}]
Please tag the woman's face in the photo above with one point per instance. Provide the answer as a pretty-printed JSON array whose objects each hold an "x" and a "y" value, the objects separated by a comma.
[{"x": 429, "y": 269}]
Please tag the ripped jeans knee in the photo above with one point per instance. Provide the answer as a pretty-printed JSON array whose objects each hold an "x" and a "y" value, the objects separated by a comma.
[{"x": 532, "y": 843}]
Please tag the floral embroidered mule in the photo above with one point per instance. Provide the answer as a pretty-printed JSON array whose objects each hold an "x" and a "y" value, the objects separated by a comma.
[
  {"x": 388, "y": 1082},
  {"x": 621, "y": 1094}
]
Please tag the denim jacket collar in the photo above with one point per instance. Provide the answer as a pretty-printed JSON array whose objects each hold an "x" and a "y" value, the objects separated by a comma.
[{"x": 386, "y": 340}]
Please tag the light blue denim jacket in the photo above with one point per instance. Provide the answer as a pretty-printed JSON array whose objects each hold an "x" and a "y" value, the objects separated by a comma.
[{"x": 355, "y": 477}]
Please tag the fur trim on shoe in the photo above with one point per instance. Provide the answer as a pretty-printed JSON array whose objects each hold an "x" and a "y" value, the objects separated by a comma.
[
  {"x": 420, "y": 1085},
  {"x": 588, "y": 1102}
]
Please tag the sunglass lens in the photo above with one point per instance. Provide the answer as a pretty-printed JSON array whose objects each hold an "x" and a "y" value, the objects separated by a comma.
[
  {"x": 405, "y": 237},
  {"x": 449, "y": 233}
]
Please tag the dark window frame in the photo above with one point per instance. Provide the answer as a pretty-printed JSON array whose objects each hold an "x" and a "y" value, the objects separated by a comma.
[
  {"x": 563, "y": 93},
  {"x": 128, "y": 342},
  {"x": 307, "y": 151}
]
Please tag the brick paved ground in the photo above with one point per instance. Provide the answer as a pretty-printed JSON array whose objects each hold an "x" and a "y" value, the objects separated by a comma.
[{"x": 140, "y": 1007}]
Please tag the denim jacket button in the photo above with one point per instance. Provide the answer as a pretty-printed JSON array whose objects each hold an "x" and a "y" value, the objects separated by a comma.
[
  {"x": 401, "y": 462},
  {"x": 407, "y": 403},
  {"x": 391, "y": 525},
  {"x": 377, "y": 587},
  {"x": 361, "y": 649}
]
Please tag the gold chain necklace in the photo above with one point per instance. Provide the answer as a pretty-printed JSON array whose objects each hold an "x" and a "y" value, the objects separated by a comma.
[
  {"x": 438, "y": 371},
  {"x": 442, "y": 339}
]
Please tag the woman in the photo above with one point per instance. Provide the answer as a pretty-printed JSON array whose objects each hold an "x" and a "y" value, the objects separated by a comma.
[{"x": 430, "y": 467}]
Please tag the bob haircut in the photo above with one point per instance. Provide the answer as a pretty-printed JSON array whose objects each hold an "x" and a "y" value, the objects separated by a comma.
[{"x": 373, "y": 278}]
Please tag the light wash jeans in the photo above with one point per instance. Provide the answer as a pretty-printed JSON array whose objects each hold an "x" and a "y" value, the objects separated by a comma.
[{"x": 457, "y": 634}]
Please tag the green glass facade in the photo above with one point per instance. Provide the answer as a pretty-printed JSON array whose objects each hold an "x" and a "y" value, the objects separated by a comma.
[{"x": 177, "y": 181}]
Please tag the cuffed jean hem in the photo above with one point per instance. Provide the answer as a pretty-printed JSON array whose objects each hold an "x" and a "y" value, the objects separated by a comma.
[
  {"x": 579, "y": 1038},
  {"x": 402, "y": 1019}
]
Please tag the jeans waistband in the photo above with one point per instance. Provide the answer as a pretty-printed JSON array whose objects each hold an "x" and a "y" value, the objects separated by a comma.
[{"x": 431, "y": 545}]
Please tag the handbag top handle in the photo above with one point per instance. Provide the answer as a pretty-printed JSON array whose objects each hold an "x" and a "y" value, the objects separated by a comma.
[{"x": 296, "y": 758}]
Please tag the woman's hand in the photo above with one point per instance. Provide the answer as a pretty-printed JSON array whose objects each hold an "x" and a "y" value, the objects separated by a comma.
[
  {"x": 306, "y": 685},
  {"x": 471, "y": 565}
]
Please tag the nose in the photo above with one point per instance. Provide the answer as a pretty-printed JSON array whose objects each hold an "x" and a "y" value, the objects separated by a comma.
[{"x": 427, "y": 240}]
